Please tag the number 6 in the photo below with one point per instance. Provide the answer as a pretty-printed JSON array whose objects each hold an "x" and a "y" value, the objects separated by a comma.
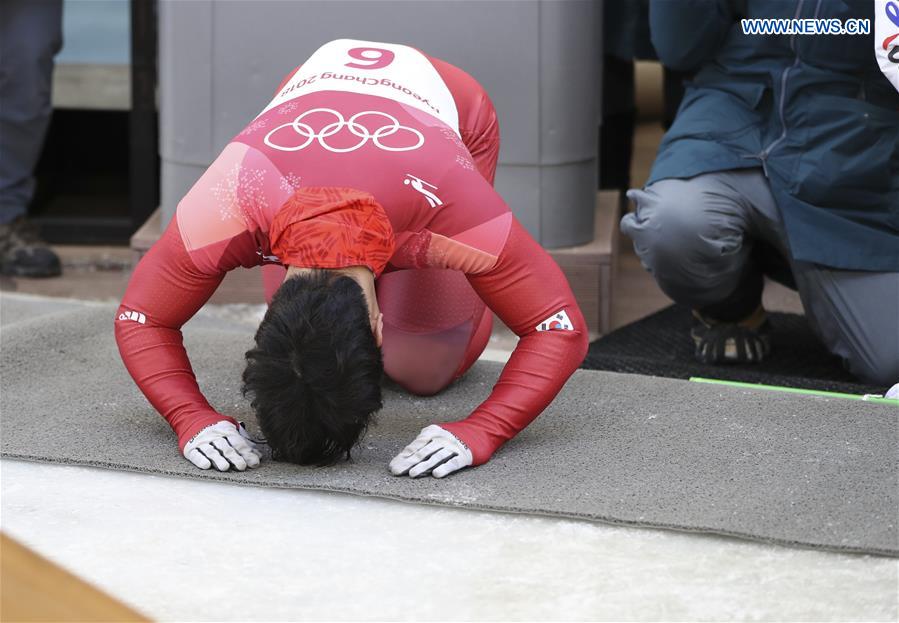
[{"x": 372, "y": 58}]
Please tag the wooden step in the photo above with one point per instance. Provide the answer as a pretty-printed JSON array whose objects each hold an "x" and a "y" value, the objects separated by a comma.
[
  {"x": 591, "y": 268},
  {"x": 34, "y": 589}
]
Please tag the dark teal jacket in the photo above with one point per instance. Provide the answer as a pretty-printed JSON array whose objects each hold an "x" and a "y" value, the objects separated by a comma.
[{"x": 814, "y": 111}]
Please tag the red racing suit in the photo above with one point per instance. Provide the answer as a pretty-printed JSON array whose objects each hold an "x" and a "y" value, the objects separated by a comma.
[{"x": 420, "y": 136}]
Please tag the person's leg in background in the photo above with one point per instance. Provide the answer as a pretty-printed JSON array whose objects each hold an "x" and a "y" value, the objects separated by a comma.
[
  {"x": 30, "y": 36},
  {"x": 703, "y": 239},
  {"x": 435, "y": 327},
  {"x": 696, "y": 238},
  {"x": 856, "y": 315}
]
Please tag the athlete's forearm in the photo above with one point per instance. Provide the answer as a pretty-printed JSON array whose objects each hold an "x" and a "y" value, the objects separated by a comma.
[
  {"x": 527, "y": 290},
  {"x": 164, "y": 292},
  {"x": 158, "y": 363},
  {"x": 531, "y": 379}
]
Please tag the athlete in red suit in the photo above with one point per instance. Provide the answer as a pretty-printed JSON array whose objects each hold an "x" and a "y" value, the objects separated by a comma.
[{"x": 405, "y": 146}]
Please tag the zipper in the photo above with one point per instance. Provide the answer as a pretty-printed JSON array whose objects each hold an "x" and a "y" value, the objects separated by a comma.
[{"x": 763, "y": 155}]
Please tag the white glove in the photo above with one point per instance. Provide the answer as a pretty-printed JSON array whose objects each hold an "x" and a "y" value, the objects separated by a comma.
[
  {"x": 223, "y": 445},
  {"x": 893, "y": 392},
  {"x": 435, "y": 451}
]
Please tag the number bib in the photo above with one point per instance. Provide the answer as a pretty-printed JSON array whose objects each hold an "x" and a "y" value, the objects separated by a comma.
[{"x": 396, "y": 72}]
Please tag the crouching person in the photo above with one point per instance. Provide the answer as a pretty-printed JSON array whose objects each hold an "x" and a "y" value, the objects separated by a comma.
[{"x": 776, "y": 165}]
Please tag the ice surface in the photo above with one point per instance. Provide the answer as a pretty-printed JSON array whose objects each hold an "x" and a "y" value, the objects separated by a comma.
[{"x": 182, "y": 550}]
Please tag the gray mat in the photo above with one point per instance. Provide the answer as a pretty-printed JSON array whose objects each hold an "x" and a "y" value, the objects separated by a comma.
[
  {"x": 18, "y": 307},
  {"x": 613, "y": 447}
]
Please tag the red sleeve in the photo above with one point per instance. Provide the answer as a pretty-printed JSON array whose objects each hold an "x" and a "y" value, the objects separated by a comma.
[
  {"x": 165, "y": 291},
  {"x": 478, "y": 124},
  {"x": 524, "y": 288}
]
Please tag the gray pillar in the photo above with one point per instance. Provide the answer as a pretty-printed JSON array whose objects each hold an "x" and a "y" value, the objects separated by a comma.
[{"x": 539, "y": 60}]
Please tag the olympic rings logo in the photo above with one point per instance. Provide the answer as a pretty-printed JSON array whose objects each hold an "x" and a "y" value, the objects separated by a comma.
[{"x": 305, "y": 131}]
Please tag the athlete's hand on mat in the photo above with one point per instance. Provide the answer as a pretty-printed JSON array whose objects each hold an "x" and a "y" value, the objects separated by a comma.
[
  {"x": 224, "y": 446},
  {"x": 435, "y": 451}
]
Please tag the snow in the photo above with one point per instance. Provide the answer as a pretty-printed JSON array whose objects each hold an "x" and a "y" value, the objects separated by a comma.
[{"x": 179, "y": 549}]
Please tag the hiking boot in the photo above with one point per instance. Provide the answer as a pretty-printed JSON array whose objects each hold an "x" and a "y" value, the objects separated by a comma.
[
  {"x": 745, "y": 341},
  {"x": 24, "y": 254}
]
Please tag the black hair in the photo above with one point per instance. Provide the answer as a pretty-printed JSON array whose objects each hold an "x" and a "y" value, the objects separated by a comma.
[{"x": 314, "y": 375}]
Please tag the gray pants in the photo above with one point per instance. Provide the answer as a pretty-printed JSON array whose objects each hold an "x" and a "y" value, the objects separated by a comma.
[
  {"x": 709, "y": 240},
  {"x": 30, "y": 36}
]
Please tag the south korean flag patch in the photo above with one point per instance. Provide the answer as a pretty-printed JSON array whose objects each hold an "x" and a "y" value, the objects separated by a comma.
[{"x": 557, "y": 322}]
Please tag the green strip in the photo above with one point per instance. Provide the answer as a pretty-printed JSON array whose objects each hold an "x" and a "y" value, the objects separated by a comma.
[{"x": 795, "y": 390}]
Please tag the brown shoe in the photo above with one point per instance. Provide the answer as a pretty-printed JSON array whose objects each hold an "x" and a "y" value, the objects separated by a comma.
[
  {"x": 745, "y": 341},
  {"x": 24, "y": 254}
]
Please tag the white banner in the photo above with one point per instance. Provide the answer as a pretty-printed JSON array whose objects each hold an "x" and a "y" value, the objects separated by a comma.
[{"x": 886, "y": 38}]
